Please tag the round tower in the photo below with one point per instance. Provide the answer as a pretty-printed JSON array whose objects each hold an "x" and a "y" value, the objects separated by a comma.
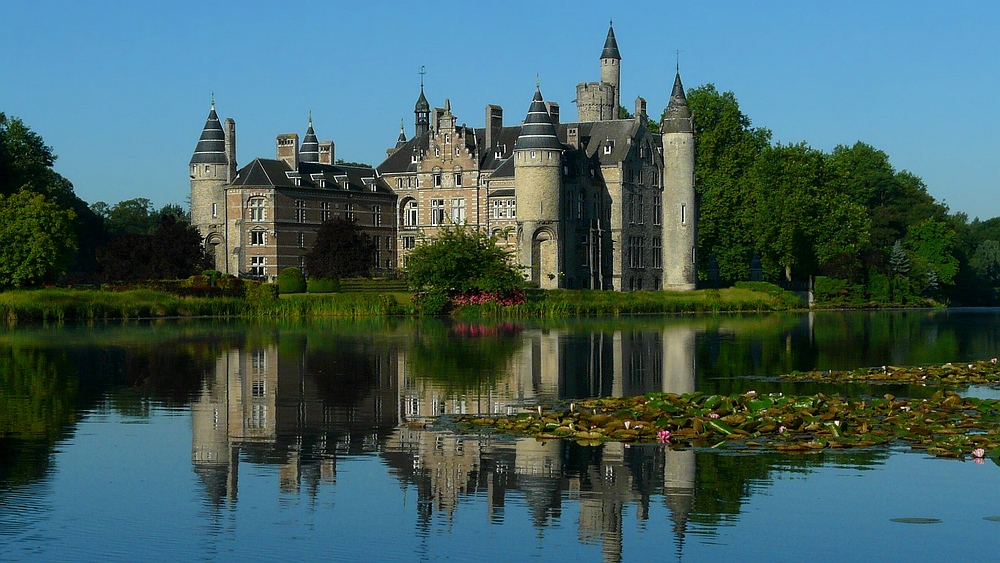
[
  {"x": 611, "y": 68},
  {"x": 680, "y": 212},
  {"x": 211, "y": 167},
  {"x": 310, "y": 144},
  {"x": 538, "y": 192}
]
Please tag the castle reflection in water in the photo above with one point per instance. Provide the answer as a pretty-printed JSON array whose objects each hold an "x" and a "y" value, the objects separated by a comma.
[{"x": 303, "y": 401}]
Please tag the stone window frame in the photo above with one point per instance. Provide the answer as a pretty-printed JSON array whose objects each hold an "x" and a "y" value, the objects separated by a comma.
[{"x": 256, "y": 209}]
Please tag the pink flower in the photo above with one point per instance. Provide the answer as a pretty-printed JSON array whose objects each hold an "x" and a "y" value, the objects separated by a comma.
[
  {"x": 781, "y": 429},
  {"x": 663, "y": 436},
  {"x": 979, "y": 453},
  {"x": 751, "y": 392},
  {"x": 993, "y": 360},
  {"x": 713, "y": 415},
  {"x": 979, "y": 460}
]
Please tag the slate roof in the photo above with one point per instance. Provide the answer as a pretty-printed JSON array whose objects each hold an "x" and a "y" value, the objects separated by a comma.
[
  {"x": 402, "y": 159},
  {"x": 265, "y": 172},
  {"x": 422, "y": 104},
  {"x": 611, "y": 46},
  {"x": 678, "y": 117},
  {"x": 310, "y": 146},
  {"x": 537, "y": 131},
  {"x": 211, "y": 148}
]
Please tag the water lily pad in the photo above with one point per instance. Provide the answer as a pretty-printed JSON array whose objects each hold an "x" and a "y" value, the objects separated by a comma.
[{"x": 915, "y": 520}]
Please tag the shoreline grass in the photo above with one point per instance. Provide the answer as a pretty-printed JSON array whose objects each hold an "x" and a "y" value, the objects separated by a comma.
[{"x": 58, "y": 304}]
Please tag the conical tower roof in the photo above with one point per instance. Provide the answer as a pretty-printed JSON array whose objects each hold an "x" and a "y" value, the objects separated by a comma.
[
  {"x": 401, "y": 140},
  {"x": 611, "y": 46},
  {"x": 537, "y": 131},
  {"x": 678, "y": 114},
  {"x": 310, "y": 145},
  {"x": 211, "y": 147},
  {"x": 422, "y": 103}
]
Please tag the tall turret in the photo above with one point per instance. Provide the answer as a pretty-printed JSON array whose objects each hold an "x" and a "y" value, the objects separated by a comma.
[
  {"x": 422, "y": 110},
  {"x": 538, "y": 187},
  {"x": 680, "y": 212},
  {"x": 212, "y": 165},
  {"x": 599, "y": 101},
  {"x": 611, "y": 67},
  {"x": 310, "y": 144}
]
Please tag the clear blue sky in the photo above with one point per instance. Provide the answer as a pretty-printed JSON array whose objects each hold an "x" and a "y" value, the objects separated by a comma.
[{"x": 121, "y": 90}]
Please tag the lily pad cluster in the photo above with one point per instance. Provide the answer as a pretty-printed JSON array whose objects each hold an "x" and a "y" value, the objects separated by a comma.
[
  {"x": 946, "y": 425},
  {"x": 975, "y": 373}
]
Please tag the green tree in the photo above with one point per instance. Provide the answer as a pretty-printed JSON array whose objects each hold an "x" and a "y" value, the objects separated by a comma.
[
  {"x": 38, "y": 239},
  {"x": 899, "y": 262},
  {"x": 174, "y": 250},
  {"x": 26, "y": 165},
  {"x": 342, "y": 250},
  {"x": 460, "y": 260},
  {"x": 932, "y": 247},
  {"x": 726, "y": 148}
]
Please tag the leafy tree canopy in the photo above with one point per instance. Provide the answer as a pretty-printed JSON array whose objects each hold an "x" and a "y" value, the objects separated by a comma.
[
  {"x": 136, "y": 216},
  {"x": 462, "y": 259},
  {"x": 342, "y": 250},
  {"x": 38, "y": 239},
  {"x": 174, "y": 250}
]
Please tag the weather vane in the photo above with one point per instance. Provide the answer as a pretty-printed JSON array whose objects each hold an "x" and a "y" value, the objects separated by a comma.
[
  {"x": 677, "y": 65},
  {"x": 422, "y": 72},
  {"x": 538, "y": 81}
]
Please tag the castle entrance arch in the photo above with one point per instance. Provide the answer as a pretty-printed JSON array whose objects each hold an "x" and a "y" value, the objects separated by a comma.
[{"x": 545, "y": 259}]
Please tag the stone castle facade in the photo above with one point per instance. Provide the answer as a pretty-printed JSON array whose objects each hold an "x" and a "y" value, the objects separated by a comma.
[{"x": 601, "y": 203}]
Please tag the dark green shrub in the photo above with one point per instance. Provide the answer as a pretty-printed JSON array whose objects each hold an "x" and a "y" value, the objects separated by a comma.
[
  {"x": 430, "y": 303},
  {"x": 212, "y": 275},
  {"x": 879, "y": 288},
  {"x": 230, "y": 286},
  {"x": 257, "y": 292},
  {"x": 323, "y": 285},
  {"x": 291, "y": 280}
]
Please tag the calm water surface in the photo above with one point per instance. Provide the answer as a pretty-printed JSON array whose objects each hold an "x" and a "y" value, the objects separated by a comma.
[{"x": 231, "y": 441}]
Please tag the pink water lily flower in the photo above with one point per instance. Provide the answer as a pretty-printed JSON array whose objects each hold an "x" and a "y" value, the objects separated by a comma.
[
  {"x": 979, "y": 453},
  {"x": 781, "y": 430},
  {"x": 993, "y": 360},
  {"x": 663, "y": 436},
  {"x": 713, "y": 415},
  {"x": 751, "y": 392},
  {"x": 979, "y": 460}
]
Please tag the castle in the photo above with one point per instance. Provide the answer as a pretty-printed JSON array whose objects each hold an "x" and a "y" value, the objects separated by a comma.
[{"x": 601, "y": 203}]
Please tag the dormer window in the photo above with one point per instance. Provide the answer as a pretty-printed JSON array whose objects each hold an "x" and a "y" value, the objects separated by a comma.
[
  {"x": 414, "y": 158},
  {"x": 609, "y": 145}
]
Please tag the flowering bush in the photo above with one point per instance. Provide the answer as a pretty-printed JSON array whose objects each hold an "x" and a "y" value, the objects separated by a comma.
[{"x": 506, "y": 299}]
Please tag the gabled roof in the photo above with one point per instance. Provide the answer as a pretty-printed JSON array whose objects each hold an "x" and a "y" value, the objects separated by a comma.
[
  {"x": 503, "y": 144},
  {"x": 211, "y": 148},
  {"x": 401, "y": 160},
  {"x": 265, "y": 172},
  {"x": 505, "y": 170}
]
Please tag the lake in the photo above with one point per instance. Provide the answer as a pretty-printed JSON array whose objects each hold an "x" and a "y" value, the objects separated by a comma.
[{"x": 214, "y": 440}]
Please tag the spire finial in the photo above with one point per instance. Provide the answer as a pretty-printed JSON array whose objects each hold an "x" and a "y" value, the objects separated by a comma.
[
  {"x": 310, "y": 118},
  {"x": 422, "y": 72},
  {"x": 538, "y": 82},
  {"x": 400, "y": 123},
  {"x": 677, "y": 64},
  {"x": 213, "y": 100},
  {"x": 611, "y": 22}
]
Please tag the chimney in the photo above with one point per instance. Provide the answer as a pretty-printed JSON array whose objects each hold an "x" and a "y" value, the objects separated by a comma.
[
  {"x": 553, "y": 109},
  {"x": 494, "y": 123},
  {"x": 326, "y": 152},
  {"x": 573, "y": 136},
  {"x": 288, "y": 149},
  {"x": 230, "y": 135},
  {"x": 640, "y": 110}
]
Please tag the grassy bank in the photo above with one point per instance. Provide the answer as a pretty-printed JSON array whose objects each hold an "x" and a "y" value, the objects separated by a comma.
[
  {"x": 70, "y": 304},
  {"x": 587, "y": 303}
]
